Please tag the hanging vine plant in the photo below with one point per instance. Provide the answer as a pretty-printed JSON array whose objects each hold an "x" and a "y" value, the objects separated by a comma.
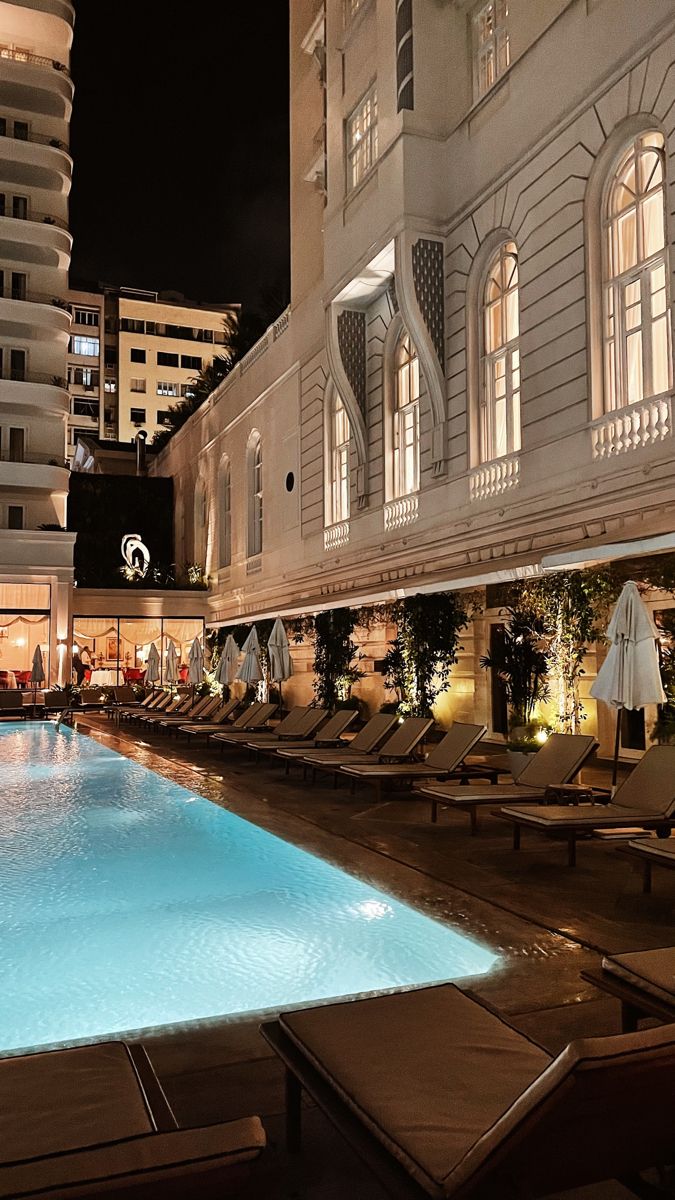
[
  {"x": 335, "y": 657},
  {"x": 421, "y": 657}
]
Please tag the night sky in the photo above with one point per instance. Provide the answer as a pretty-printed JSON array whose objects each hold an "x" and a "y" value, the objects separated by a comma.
[{"x": 180, "y": 142}]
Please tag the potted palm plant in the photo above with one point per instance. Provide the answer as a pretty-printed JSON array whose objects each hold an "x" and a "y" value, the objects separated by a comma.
[{"x": 522, "y": 666}]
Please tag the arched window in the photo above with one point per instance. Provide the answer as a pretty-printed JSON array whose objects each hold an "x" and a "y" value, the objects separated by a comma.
[
  {"x": 338, "y": 451},
  {"x": 406, "y": 430},
  {"x": 255, "y": 496},
  {"x": 637, "y": 354},
  {"x": 225, "y": 526},
  {"x": 499, "y": 432}
]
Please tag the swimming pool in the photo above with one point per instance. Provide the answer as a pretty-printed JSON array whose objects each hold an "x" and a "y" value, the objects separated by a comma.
[{"x": 128, "y": 902}]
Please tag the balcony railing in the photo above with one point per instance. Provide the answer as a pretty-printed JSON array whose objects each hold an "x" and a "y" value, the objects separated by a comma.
[
  {"x": 38, "y": 217},
  {"x": 34, "y": 377},
  {"x": 631, "y": 427},
  {"x": 336, "y": 535},
  {"x": 37, "y": 460},
  {"x": 35, "y": 60},
  {"x": 40, "y": 139},
  {"x": 401, "y": 512},
  {"x": 11, "y": 293},
  {"x": 493, "y": 478}
]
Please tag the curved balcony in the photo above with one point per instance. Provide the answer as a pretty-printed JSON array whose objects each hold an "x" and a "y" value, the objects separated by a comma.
[
  {"x": 32, "y": 311},
  {"x": 31, "y": 163},
  {"x": 37, "y": 473},
  {"x": 31, "y": 83},
  {"x": 35, "y": 238},
  {"x": 56, "y": 8},
  {"x": 34, "y": 393}
]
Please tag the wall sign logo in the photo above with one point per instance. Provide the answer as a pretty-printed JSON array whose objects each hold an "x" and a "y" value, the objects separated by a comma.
[{"x": 136, "y": 556}]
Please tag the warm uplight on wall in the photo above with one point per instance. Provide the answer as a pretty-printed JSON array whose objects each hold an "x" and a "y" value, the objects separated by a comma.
[
  {"x": 542, "y": 736},
  {"x": 20, "y": 642}
]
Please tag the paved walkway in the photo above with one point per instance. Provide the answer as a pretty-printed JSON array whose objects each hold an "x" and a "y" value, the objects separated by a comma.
[{"x": 546, "y": 921}]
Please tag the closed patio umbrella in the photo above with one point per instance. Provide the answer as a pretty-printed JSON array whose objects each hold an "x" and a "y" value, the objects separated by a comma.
[
  {"x": 37, "y": 675},
  {"x": 278, "y": 651},
  {"x": 250, "y": 670},
  {"x": 227, "y": 667},
  {"x": 171, "y": 667},
  {"x": 630, "y": 676},
  {"x": 196, "y": 663},
  {"x": 152, "y": 666}
]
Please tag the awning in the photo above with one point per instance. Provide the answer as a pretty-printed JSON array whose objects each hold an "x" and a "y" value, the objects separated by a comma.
[{"x": 591, "y": 556}]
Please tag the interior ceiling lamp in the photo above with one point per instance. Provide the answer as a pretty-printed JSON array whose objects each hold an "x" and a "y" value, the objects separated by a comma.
[{"x": 136, "y": 556}]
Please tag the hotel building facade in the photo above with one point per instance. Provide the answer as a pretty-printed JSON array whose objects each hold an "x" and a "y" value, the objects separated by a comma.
[{"x": 473, "y": 382}]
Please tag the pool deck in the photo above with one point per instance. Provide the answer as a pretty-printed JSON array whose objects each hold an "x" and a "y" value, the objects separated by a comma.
[{"x": 546, "y": 921}]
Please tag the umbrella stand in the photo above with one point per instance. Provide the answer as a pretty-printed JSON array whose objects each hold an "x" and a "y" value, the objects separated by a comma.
[{"x": 617, "y": 743}]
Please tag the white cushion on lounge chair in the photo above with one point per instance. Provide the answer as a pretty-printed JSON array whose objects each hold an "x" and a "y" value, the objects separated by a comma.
[
  {"x": 652, "y": 971},
  {"x": 458, "y": 1069}
]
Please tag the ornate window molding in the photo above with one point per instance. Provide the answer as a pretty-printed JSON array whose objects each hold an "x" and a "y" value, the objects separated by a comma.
[{"x": 254, "y": 543}]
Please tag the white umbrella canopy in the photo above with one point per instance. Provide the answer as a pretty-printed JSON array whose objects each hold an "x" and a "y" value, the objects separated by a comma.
[
  {"x": 630, "y": 676},
  {"x": 37, "y": 675},
  {"x": 250, "y": 670},
  {"x": 227, "y": 667},
  {"x": 196, "y": 662},
  {"x": 171, "y": 666},
  {"x": 152, "y": 666},
  {"x": 281, "y": 665}
]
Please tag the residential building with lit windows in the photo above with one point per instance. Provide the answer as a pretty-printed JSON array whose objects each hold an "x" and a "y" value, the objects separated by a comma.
[
  {"x": 85, "y": 367},
  {"x": 473, "y": 382},
  {"x": 36, "y": 554}
]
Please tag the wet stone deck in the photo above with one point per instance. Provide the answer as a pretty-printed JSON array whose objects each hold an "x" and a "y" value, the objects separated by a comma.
[{"x": 546, "y": 921}]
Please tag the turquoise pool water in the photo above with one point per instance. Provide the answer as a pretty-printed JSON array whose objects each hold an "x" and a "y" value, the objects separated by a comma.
[{"x": 127, "y": 902}]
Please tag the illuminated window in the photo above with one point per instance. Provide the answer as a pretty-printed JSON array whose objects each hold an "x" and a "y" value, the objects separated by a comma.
[
  {"x": 88, "y": 346},
  {"x": 636, "y": 291},
  {"x": 406, "y": 433},
  {"x": 338, "y": 498},
  {"x": 492, "y": 53},
  {"x": 362, "y": 139},
  {"x": 136, "y": 385},
  {"x": 500, "y": 393},
  {"x": 167, "y": 389},
  {"x": 255, "y": 496}
]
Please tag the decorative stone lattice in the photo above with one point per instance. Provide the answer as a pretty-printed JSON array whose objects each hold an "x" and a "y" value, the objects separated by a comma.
[
  {"x": 427, "y": 265},
  {"x": 404, "y": 55},
  {"x": 351, "y": 330}
]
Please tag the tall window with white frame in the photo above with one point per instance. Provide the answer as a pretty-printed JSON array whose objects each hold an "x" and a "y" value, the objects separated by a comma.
[
  {"x": 361, "y": 137},
  {"x": 255, "y": 521},
  {"x": 636, "y": 292},
  {"x": 225, "y": 514},
  {"x": 491, "y": 46},
  {"x": 500, "y": 393},
  {"x": 406, "y": 432},
  {"x": 338, "y": 506}
]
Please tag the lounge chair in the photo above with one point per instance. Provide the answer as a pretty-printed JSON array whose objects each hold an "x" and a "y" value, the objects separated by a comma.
[
  {"x": 248, "y": 723},
  {"x": 401, "y": 745},
  {"x": 645, "y": 799},
  {"x": 556, "y": 763},
  {"x": 12, "y": 705},
  {"x": 443, "y": 1098},
  {"x": 149, "y": 701},
  {"x": 329, "y": 735},
  {"x": 122, "y": 696},
  {"x": 94, "y": 1121},
  {"x": 245, "y": 720},
  {"x": 53, "y": 702},
  {"x": 94, "y": 698},
  {"x": 366, "y": 742},
  {"x": 237, "y": 738},
  {"x": 176, "y": 705},
  {"x": 134, "y": 716},
  {"x": 643, "y": 981},
  {"x": 203, "y": 706},
  {"x": 652, "y": 852},
  {"x": 445, "y": 759},
  {"x": 219, "y": 718},
  {"x": 305, "y": 728}
]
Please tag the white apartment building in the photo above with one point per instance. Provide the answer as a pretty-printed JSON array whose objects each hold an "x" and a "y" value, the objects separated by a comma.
[
  {"x": 36, "y": 556},
  {"x": 474, "y": 379}
]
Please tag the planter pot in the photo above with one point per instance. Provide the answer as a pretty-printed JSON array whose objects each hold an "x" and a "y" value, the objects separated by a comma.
[{"x": 518, "y": 760}]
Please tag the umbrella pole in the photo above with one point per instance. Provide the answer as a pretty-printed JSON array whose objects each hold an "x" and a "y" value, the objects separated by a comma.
[{"x": 617, "y": 742}]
